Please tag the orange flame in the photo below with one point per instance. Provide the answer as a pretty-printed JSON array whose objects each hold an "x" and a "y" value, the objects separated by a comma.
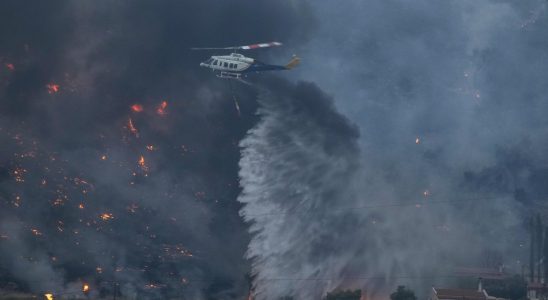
[
  {"x": 161, "y": 110},
  {"x": 107, "y": 216},
  {"x": 85, "y": 288},
  {"x": 142, "y": 163},
  {"x": 52, "y": 88},
  {"x": 48, "y": 296},
  {"x": 137, "y": 108}
]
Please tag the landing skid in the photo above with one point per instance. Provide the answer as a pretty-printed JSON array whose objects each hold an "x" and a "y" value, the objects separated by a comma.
[{"x": 233, "y": 76}]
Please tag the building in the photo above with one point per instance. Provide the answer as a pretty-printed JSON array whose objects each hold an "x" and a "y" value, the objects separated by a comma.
[
  {"x": 457, "y": 294},
  {"x": 537, "y": 291},
  {"x": 462, "y": 294}
]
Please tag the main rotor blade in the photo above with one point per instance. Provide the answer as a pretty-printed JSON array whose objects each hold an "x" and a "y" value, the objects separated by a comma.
[{"x": 246, "y": 47}]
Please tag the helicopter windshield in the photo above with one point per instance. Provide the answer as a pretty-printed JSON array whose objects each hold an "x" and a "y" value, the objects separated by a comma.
[{"x": 208, "y": 62}]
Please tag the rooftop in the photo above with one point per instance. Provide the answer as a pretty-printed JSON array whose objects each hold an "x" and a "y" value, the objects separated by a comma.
[{"x": 459, "y": 294}]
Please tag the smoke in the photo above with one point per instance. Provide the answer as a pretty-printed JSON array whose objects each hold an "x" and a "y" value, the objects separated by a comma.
[
  {"x": 135, "y": 203},
  {"x": 450, "y": 104},
  {"x": 296, "y": 171},
  {"x": 320, "y": 220}
]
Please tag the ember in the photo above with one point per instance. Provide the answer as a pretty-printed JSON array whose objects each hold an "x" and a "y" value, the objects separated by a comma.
[
  {"x": 132, "y": 128},
  {"x": 137, "y": 108},
  {"x": 161, "y": 110},
  {"x": 142, "y": 163},
  {"x": 107, "y": 216},
  {"x": 10, "y": 67},
  {"x": 48, "y": 296},
  {"x": 52, "y": 88}
]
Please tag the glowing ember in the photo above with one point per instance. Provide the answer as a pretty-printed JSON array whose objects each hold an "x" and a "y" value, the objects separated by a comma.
[
  {"x": 103, "y": 157},
  {"x": 81, "y": 206},
  {"x": 132, "y": 128},
  {"x": 137, "y": 108},
  {"x": 48, "y": 296},
  {"x": 52, "y": 88},
  {"x": 10, "y": 67},
  {"x": 85, "y": 288},
  {"x": 18, "y": 174},
  {"x": 142, "y": 163},
  {"x": 107, "y": 216},
  {"x": 161, "y": 110}
]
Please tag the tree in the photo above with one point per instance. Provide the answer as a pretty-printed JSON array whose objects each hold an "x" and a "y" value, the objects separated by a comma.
[{"x": 403, "y": 293}]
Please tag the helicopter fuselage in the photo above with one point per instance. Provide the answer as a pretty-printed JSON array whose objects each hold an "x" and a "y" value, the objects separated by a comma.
[{"x": 234, "y": 65}]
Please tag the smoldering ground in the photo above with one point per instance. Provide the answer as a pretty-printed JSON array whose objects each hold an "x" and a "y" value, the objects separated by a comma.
[{"x": 119, "y": 155}]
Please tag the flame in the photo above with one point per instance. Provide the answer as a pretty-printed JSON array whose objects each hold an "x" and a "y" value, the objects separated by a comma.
[
  {"x": 107, "y": 216},
  {"x": 52, "y": 88},
  {"x": 142, "y": 163},
  {"x": 10, "y": 67},
  {"x": 48, "y": 296},
  {"x": 85, "y": 288},
  {"x": 161, "y": 110},
  {"x": 132, "y": 128},
  {"x": 137, "y": 108}
]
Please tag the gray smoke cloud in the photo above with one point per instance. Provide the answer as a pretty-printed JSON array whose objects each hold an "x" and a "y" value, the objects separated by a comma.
[
  {"x": 450, "y": 99},
  {"x": 296, "y": 170}
]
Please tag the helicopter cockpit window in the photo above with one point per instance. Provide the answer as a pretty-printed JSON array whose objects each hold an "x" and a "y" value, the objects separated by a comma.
[
  {"x": 226, "y": 65},
  {"x": 209, "y": 61},
  {"x": 215, "y": 62}
]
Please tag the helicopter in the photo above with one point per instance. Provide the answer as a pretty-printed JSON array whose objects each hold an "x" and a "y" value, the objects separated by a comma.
[{"x": 236, "y": 65}]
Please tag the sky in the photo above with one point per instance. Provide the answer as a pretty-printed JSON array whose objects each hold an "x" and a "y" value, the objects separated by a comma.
[{"x": 411, "y": 140}]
